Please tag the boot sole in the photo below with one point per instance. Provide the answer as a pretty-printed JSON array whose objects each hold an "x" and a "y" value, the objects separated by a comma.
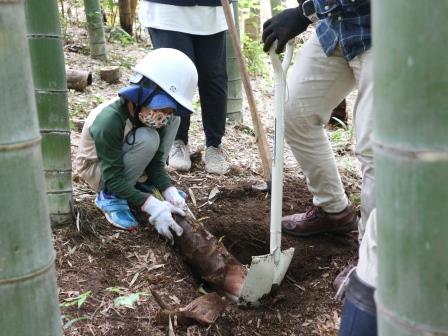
[{"x": 337, "y": 230}]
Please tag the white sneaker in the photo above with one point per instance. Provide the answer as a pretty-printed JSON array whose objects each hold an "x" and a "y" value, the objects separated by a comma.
[
  {"x": 215, "y": 160},
  {"x": 179, "y": 156}
]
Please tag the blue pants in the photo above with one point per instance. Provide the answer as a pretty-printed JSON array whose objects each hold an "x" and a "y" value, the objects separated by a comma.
[
  {"x": 359, "y": 311},
  {"x": 208, "y": 53},
  {"x": 357, "y": 322}
]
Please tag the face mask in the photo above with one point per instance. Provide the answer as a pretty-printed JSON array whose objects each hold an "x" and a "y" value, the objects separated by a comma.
[{"x": 155, "y": 119}]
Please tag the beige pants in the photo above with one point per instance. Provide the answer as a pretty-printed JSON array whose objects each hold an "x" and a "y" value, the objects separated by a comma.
[
  {"x": 316, "y": 85},
  {"x": 367, "y": 269}
]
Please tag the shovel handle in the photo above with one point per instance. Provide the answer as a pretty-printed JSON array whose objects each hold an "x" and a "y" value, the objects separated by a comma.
[
  {"x": 262, "y": 142},
  {"x": 277, "y": 162},
  {"x": 281, "y": 68}
]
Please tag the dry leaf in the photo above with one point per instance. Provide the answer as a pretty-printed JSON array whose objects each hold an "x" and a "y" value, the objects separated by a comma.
[
  {"x": 175, "y": 299},
  {"x": 213, "y": 194}
]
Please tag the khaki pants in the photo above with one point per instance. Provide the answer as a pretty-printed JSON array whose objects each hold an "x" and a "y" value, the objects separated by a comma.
[
  {"x": 367, "y": 268},
  {"x": 316, "y": 85}
]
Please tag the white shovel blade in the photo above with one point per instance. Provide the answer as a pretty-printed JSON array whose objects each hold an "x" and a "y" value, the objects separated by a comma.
[
  {"x": 282, "y": 266},
  {"x": 259, "y": 279}
]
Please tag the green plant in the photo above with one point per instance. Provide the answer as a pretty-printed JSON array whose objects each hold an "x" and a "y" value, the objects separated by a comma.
[
  {"x": 347, "y": 163},
  {"x": 278, "y": 9},
  {"x": 128, "y": 300},
  {"x": 125, "y": 300},
  {"x": 119, "y": 35},
  {"x": 340, "y": 136},
  {"x": 356, "y": 199},
  {"x": 255, "y": 57},
  {"x": 78, "y": 300},
  {"x": 117, "y": 290},
  {"x": 252, "y": 5}
]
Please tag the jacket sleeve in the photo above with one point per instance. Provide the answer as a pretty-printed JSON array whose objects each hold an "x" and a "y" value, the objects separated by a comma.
[
  {"x": 107, "y": 132},
  {"x": 156, "y": 170}
]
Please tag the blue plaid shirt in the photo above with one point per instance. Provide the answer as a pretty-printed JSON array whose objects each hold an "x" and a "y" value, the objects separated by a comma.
[{"x": 346, "y": 22}]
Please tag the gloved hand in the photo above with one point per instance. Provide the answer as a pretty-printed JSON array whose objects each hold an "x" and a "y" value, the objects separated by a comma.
[
  {"x": 283, "y": 27},
  {"x": 172, "y": 195},
  {"x": 160, "y": 216}
]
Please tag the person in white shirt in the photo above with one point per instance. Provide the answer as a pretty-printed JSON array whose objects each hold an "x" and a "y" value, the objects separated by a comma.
[{"x": 197, "y": 28}]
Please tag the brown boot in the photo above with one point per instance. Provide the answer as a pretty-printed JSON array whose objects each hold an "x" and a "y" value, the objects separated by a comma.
[{"x": 315, "y": 221}]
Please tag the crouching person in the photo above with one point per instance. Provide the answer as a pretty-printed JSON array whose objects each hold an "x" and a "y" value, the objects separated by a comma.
[{"x": 131, "y": 135}]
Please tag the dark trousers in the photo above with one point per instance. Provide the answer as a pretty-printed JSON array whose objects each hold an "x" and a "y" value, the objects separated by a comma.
[
  {"x": 357, "y": 322},
  {"x": 208, "y": 53},
  {"x": 359, "y": 311}
]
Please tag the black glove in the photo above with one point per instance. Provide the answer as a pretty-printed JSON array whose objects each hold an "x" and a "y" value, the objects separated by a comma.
[{"x": 283, "y": 27}]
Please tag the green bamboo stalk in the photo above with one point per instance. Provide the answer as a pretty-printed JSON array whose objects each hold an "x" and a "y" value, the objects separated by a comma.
[
  {"x": 276, "y": 6},
  {"x": 28, "y": 292},
  {"x": 47, "y": 60},
  {"x": 234, "y": 86},
  {"x": 411, "y": 158},
  {"x": 95, "y": 29}
]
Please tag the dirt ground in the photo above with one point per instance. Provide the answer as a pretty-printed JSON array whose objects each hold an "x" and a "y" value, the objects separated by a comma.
[
  {"x": 100, "y": 263},
  {"x": 98, "y": 257}
]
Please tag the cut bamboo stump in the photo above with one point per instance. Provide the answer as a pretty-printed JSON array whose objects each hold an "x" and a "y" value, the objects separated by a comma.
[
  {"x": 78, "y": 79},
  {"x": 110, "y": 74}
]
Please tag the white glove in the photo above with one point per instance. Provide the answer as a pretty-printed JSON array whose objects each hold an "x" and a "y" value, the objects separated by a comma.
[
  {"x": 160, "y": 216},
  {"x": 172, "y": 195}
]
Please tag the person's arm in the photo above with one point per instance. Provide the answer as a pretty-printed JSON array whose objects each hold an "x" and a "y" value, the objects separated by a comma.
[
  {"x": 156, "y": 170},
  {"x": 107, "y": 132}
]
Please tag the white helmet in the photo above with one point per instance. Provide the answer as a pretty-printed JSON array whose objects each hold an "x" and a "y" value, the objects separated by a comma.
[{"x": 173, "y": 71}]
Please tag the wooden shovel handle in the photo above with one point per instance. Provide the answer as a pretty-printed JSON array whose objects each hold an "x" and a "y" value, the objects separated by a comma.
[{"x": 262, "y": 143}]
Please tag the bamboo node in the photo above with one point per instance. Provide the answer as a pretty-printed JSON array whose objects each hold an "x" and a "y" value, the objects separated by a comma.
[{"x": 19, "y": 145}]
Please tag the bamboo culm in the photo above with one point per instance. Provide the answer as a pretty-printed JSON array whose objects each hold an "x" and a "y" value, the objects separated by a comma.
[
  {"x": 28, "y": 291},
  {"x": 411, "y": 162},
  {"x": 50, "y": 88}
]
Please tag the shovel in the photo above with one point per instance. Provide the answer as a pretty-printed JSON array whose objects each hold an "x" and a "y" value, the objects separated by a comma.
[{"x": 267, "y": 270}]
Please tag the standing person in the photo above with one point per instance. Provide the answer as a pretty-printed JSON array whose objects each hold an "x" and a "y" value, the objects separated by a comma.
[
  {"x": 197, "y": 28},
  {"x": 129, "y": 136},
  {"x": 330, "y": 64},
  {"x": 336, "y": 59}
]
